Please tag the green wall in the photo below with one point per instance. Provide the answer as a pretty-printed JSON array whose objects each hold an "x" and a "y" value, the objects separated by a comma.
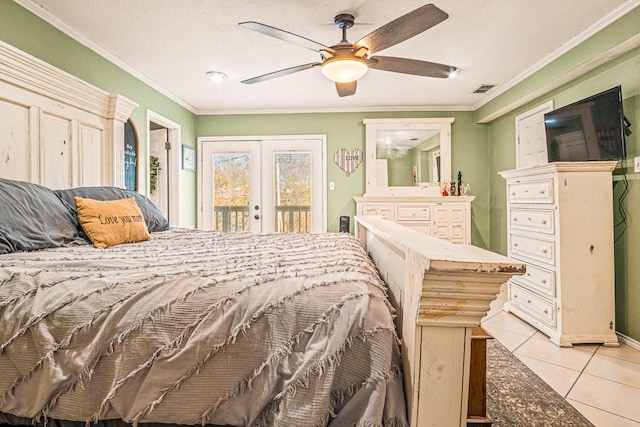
[
  {"x": 346, "y": 130},
  {"x": 25, "y": 31}
]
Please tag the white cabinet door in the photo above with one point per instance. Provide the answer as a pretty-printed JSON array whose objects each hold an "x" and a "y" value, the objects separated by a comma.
[{"x": 449, "y": 223}]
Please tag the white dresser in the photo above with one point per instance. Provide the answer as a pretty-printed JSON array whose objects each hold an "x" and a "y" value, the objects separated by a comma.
[
  {"x": 560, "y": 222},
  {"x": 448, "y": 218}
]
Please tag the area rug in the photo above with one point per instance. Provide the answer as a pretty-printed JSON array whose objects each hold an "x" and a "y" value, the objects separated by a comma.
[{"x": 518, "y": 397}]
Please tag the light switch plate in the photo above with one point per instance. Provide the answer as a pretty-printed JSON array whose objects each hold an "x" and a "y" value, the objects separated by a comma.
[{"x": 636, "y": 164}]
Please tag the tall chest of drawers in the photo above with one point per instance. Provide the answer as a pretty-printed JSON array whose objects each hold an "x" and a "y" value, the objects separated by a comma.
[{"x": 560, "y": 222}]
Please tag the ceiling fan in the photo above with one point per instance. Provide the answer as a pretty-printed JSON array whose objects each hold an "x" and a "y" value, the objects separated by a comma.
[{"x": 346, "y": 62}]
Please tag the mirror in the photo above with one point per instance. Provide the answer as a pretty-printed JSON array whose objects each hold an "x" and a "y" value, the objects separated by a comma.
[{"x": 407, "y": 156}]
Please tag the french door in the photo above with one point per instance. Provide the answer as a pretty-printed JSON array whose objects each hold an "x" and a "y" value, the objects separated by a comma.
[{"x": 267, "y": 185}]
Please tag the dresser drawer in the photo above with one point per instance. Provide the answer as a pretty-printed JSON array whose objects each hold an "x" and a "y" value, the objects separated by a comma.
[
  {"x": 530, "y": 191},
  {"x": 413, "y": 212},
  {"x": 538, "y": 279},
  {"x": 532, "y": 220},
  {"x": 530, "y": 247},
  {"x": 538, "y": 307},
  {"x": 385, "y": 211}
]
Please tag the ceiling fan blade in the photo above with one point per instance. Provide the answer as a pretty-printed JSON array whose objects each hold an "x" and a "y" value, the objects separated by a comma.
[
  {"x": 281, "y": 73},
  {"x": 283, "y": 35},
  {"x": 346, "y": 89},
  {"x": 411, "y": 66},
  {"x": 403, "y": 28}
]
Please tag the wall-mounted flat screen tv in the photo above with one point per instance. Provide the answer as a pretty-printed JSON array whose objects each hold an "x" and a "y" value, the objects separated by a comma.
[{"x": 590, "y": 129}]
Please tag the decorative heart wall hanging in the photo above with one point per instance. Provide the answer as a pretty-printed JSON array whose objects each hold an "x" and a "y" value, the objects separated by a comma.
[{"x": 348, "y": 160}]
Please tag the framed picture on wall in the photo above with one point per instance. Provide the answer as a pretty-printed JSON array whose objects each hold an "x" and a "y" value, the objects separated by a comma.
[{"x": 188, "y": 159}]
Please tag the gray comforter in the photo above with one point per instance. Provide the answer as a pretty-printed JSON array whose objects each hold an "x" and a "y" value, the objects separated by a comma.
[{"x": 200, "y": 327}]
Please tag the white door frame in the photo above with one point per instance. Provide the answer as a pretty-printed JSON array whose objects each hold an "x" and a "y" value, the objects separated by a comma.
[
  {"x": 173, "y": 136},
  {"x": 200, "y": 177}
]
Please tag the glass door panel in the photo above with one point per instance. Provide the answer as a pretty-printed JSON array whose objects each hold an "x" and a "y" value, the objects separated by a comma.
[
  {"x": 231, "y": 186},
  {"x": 231, "y": 192},
  {"x": 292, "y": 192}
]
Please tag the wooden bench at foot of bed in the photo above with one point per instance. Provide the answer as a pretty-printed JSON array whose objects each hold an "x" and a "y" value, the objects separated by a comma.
[{"x": 441, "y": 291}]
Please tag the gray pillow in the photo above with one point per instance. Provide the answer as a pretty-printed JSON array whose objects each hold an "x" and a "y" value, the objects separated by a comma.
[
  {"x": 32, "y": 217},
  {"x": 152, "y": 215}
]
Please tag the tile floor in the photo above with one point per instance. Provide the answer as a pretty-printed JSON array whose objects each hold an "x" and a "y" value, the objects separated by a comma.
[{"x": 603, "y": 383}]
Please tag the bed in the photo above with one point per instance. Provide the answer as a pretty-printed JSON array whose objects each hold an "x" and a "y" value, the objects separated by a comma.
[
  {"x": 194, "y": 327},
  {"x": 389, "y": 347}
]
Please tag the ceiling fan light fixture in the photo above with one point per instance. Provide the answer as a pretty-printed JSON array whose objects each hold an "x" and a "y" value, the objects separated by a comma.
[{"x": 344, "y": 70}]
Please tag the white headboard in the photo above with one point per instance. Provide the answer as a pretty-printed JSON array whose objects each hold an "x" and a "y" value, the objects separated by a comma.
[{"x": 55, "y": 129}]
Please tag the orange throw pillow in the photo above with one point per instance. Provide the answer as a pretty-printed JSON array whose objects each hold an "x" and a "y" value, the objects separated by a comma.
[{"x": 111, "y": 222}]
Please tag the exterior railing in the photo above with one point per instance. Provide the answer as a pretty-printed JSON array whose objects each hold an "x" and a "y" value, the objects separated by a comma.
[
  {"x": 288, "y": 219},
  {"x": 231, "y": 218},
  {"x": 293, "y": 219}
]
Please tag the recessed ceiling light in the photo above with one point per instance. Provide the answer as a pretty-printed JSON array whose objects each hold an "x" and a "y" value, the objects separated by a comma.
[{"x": 216, "y": 76}]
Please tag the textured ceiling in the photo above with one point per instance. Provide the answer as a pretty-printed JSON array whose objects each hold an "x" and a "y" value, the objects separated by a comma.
[{"x": 171, "y": 44}]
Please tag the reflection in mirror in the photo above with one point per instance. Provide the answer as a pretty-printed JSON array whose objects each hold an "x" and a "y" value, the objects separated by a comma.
[
  {"x": 429, "y": 166},
  {"x": 412, "y": 156},
  {"x": 407, "y": 156}
]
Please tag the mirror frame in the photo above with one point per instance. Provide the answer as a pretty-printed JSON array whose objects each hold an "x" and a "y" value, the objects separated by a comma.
[{"x": 372, "y": 126}]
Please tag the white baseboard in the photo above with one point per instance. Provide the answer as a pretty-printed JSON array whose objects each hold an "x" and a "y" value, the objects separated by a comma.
[{"x": 628, "y": 341}]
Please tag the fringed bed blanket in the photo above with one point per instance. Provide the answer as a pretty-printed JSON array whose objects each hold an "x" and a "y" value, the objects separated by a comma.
[{"x": 197, "y": 327}]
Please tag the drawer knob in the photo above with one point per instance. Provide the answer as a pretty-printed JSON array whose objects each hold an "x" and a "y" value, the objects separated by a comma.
[
  {"x": 545, "y": 311},
  {"x": 528, "y": 301},
  {"x": 513, "y": 193},
  {"x": 544, "y": 251},
  {"x": 544, "y": 281},
  {"x": 529, "y": 218},
  {"x": 544, "y": 222},
  {"x": 515, "y": 219},
  {"x": 515, "y": 245},
  {"x": 542, "y": 191}
]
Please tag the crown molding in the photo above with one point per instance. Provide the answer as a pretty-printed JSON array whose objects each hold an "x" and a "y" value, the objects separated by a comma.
[
  {"x": 27, "y": 72},
  {"x": 46, "y": 16},
  {"x": 580, "y": 38},
  {"x": 419, "y": 108}
]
